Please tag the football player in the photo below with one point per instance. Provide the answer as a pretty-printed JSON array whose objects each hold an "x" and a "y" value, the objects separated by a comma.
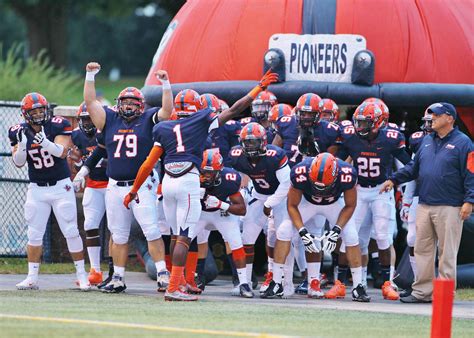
[
  {"x": 260, "y": 110},
  {"x": 93, "y": 201},
  {"x": 267, "y": 167},
  {"x": 410, "y": 195},
  {"x": 372, "y": 149},
  {"x": 182, "y": 142},
  {"x": 127, "y": 135},
  {"x": 43, "y": 142},
  {"x": 328, "y": 110},
  {"x": 321, "y": 181},
  {"x": 222, "y": 203},
  {"x": 286, "y": 132}
]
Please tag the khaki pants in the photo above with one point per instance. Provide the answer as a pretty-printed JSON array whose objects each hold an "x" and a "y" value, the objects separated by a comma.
[{"x": 440, "y": 225}]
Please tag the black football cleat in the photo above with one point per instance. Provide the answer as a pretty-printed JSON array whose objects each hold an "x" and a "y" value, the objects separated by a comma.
[
  {"x": 200, "y": 281},
  {"x": 105, "y": 282},
  {"x": 116, "y": 285},
  {"x": 302, "y": 289},
  {"x": 274, "y": 290},
  {"x": 246, "y": 291},
  {"x": 359, "y": 294}
]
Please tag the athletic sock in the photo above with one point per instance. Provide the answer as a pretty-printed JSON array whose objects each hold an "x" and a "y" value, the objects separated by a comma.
[
  {"x": 94, "y": 257},
  {"x": 79, "y": 265},
  {"x": 313, "y": 270},
  {"x": 278, "y": 272},
  {"x": 242, "y": 274},
  {"x": 119, "y": 270},
  {"x": 356, "y": 276},
  {"x": 33, "y": 270}
]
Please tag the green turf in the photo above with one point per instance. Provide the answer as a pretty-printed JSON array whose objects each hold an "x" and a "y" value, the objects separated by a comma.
[
  {"x": 465, "y": 294},
  {"x": 205, "y": 314}
]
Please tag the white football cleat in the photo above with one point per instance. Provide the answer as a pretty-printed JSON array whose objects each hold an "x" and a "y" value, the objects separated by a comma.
[
  {"x": 28, "y": 284},
  {"x": 288, "y": 289},
  {"x": 83, "y": 282},
  {"x": 314, "y": 290}
]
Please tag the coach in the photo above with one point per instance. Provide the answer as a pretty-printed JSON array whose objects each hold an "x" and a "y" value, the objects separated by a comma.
[{"x": 444, "y": 167}]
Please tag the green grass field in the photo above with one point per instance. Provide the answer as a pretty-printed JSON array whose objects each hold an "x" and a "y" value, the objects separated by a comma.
[{"x": 220, "y": 317}]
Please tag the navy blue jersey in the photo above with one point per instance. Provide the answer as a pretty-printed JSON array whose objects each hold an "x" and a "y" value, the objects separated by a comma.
[
  {"x": 184, "y": 140},
  {"x": 326, "y": 134},
  {"x": 87, "y": 145},
  {"x": 287, "y": 128},
  {"x": 228, "y": 185},
  {"x": 270, "y": 131},
  {"x": 373, "y": 159},
  {"x": 346, "y": 179},
  {"x": 127, "y": 143},
  {"x": 42, "y": 166},
  {"x": 415, "y": 140},
  {"x": 263, "y": 173},
  {"x": 224, "y": 138}
]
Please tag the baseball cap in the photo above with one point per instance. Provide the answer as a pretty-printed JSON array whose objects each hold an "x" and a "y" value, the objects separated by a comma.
[{"x": 442, "y": 108}]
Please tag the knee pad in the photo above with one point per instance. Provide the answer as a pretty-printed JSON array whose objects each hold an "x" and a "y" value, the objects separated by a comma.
[
  {"x": 285, "y": 231},
  {"x": 271, "y": 237},
  {"x": 151, "y": 232},
  {"x": 350, "y": 236},
  {"x": 35, "y": 237},
  {"x": 120, "y": 237},
  {"x": 91, "y": 224},
  {"x": 74, "y": 244},
  {"x": 383, "y": 243},
  {"x": 30, "y": 211},
  {"x": 68, "y": 211},
  {"x": 35, "y": 242}
]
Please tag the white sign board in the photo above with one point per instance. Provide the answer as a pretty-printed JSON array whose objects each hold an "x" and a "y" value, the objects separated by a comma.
[{"x": 319, "y": 57}]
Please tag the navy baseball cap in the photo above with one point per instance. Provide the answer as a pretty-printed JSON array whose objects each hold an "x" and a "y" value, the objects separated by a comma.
[{"x": 443, "y": 108}]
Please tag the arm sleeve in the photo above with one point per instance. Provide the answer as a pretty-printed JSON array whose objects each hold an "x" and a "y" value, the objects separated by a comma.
[
  {"x": 402, "y": 155},
  {"x": 410, "y": 188},
  {"x": 283, "y": 176},
  {"x": 147, "y": 167},
  {"x": 95, "y": 157}
]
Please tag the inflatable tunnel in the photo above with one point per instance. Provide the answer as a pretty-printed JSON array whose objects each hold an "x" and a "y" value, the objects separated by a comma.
[{"x": 419, "y": 51}]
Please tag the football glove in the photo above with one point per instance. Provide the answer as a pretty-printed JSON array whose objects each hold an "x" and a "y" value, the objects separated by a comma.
[
  {"x": 404, "y": 212},
  {"x": 331, "y": 239},
  {"x": 308, "y": 241},
  {"x": 21, "y": 139}
]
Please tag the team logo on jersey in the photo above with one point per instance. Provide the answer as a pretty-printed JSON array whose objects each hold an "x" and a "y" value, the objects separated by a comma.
[{"x": 67, "y": 187}]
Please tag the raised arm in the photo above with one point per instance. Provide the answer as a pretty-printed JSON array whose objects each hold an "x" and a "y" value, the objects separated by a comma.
[
  {"x": 95, "y": 109},
  {"x": 167, "y": 96},
  {"x": 245, "y": 102}
]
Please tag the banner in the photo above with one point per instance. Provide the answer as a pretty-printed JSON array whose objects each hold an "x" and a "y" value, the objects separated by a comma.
[{"x": 319, "y": 57}]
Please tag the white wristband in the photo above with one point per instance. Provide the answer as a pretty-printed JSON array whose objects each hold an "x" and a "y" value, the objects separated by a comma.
[
  {"x": 225, "y": 206},
  {"x": 165, "y": 84},
  {"x": 90, "y": 76}
]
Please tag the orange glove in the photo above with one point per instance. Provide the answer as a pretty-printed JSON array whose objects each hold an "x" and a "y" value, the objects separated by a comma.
[
  {"x": 131, "y": 196},
  {"x": 267, "y": 79}
]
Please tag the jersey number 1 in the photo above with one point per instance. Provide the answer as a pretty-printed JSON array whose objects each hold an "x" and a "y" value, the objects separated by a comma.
[{"x": 179, "y": 138}]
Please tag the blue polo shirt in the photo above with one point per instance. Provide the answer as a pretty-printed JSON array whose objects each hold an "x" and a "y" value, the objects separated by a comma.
[{"x": 444, "y": 168}]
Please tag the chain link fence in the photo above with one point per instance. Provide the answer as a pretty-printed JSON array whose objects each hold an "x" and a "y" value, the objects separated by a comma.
[{"x": 13, "y": 188}]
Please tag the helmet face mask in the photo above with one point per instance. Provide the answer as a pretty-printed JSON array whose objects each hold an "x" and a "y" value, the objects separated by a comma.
[
  {"x": 211, "y": 166},
  {"x": 210, "y": 177},
  {"x": 35, "y": 109},
  {"x": 427, "y": 123},
  {"x": 37, "y": 116},
  {"x": 363, "y": 126},
  {"x": 254, "y": 147},
  {"x": 307, "y": 118},
  {"x": 129, "y": 108},
  {"x": 86, "y": 125},
  {"x": 326, "y": 115},
  {"x": 260, "y": 110},
  {"x": 323, "y": 175}
]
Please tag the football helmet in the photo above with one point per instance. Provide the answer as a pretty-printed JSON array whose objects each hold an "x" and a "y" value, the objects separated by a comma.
[
  {"x": 328, "y": 110},
  {"x": 131, "y": 108},
  {"x": 278, "y": 111},
  {"x": 383, "y": 106},
  {"x": 262, "y": 104},
  {"x": 307, "y": 110},
  {"x": 323, "y": 174},
  {"x": 35, "y": 109},
  {"x": 427, "y": 120},
  {"x": 186, "y": 103},
  {"x": 211, "y": 166},
  {"x": 367, "y": 119},
  {"x": 224, "y": 105},
  {"x": 85, "y": 122},
  {"x": 210, "y": 101},
  {"x": 253, "y": 138}
]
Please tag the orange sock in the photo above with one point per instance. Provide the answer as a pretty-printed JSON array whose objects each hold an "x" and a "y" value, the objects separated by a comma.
[
  {"x": 175, "y": 278},
  {"x": 191, "y": 264},
  {"x": 168, "y": 262}
]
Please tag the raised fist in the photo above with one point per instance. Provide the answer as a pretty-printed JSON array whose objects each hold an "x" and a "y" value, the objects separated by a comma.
[
  {"x": 162, "y": 75},
  {"x": 93, "y": 67}
]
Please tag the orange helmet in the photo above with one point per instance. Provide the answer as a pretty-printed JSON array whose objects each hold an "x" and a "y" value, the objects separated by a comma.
[
  {"x": 307, "y": 109},
  {"x": 329, "y": 107},
  {"x": 210, "y": 101},
  {"x": 85, "y": 122},
  {"x": 428, "y": 120},
  {"x": 187, "y": 102},
  {"x": 253, "y": 138},
  {"x": 278, "y": 111},
  {"x": 323, "y": 173},
  {"x": 368, "y": 119},
  {"x": 33, "y": 101},
  {"x": 262, "y": 104},
  {"x": 383, "y": 106},
  {"x": 211, "y": 166},
  {"x": 124, "y": 110}
]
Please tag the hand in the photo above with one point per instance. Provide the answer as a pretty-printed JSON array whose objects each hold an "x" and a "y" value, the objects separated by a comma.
[
  {"x": 93, "y": 67},
  {"x": 386, "y": 186},
  {"x": 21, "y": 138},
  {"x": 404, "y": 212},
  {"x": 268, "y": 79},
  {"x": 75, "y": 154},
  {"x": 308, "y": 241},
  {"x": 131, "y": 196},
  {"x": 466, "y": 211},
  {"x": 331, "y": 239},
  {"x": 41, "y": 139},
  {"x": 212, "y": 202},
  {"x": 267, "y": 210},
  {"x": 202, "y": 192},
  {"x": 79, "y": 182},
  {"x": 162, "y": 75}
]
